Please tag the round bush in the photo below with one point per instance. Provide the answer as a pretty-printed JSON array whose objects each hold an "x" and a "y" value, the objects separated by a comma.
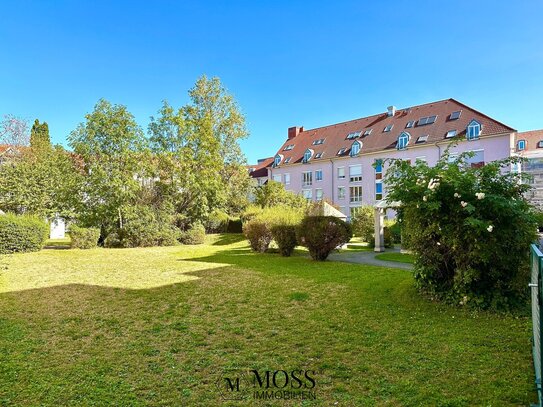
[
  {"x": 22, "y": 233},
  {"x": 258, "y": 232},
  {"x": 322, "y": 234},
  {"x": 285, "y": 237},
  {"x": 84, "y": 238},
  {"x": 195, "y": 235}
]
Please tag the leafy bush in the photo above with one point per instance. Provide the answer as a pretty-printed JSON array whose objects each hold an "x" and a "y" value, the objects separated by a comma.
[
  {"x": 469, "y": 229},
  {"x": 388, "y": 238},
  {"x": 258, "y": 233},
  {"x": 250, "y": 213},
  {"x": 285, "y": 237},
  {"x": 322, "y": 234},
  {"x": 195, "y": 235},
  {"x": 258, "y": 230},
  {"x": 84, "y": 238},
  {"x": 217, "y": 222},
  {"x": 22, "y": 233},
  {"x": 363, "y": 223},
  {"x": 394, "y": 229},
  {"x": 143, "y": 227},
  {"x": 234, "y": 226}
]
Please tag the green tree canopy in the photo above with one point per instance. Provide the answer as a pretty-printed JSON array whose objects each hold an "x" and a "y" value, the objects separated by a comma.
[{"x": 39, "y": 135}]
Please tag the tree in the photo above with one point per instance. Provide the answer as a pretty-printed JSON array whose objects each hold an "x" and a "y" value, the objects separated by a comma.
[
  {"x": 273, "y": 193},
  {"x": 199, "y": 161},
  {"x": 39, "y": 135},
  {"x": 45, "y": 183},
  {"x": 14, "y": 131},
  {"x": 113, "y": 149}
]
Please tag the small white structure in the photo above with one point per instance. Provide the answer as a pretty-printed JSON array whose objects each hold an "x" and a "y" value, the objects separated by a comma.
[
  {"x": 380, "y": 209},
  {"x": 57, "y": 228},
  {"x": 329, "y": 210}
]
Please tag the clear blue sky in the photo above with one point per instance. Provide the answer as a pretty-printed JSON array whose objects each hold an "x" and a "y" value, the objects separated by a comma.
[{"x": 287, "y": 62}]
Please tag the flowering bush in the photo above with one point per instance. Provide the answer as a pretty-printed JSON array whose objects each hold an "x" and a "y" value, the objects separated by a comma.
[{"x": 469, "y": 229}]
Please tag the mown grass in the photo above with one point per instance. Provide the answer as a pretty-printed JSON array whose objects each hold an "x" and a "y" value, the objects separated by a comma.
[
  {"x": 397, "y": 257},
  {"x": 157, "y": 326}
]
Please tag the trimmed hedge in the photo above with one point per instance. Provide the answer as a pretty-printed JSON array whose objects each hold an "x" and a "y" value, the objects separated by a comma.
[
  {"x": 84, "y": 238},
  {"x": 195, "y": 235},
  {"x": 234, "y": 226},
  {"x": 258, "y": 234},
  {"x": 22, "y": 233},
  {"x": 285, "y": 237},
  {"x": 217, "y": 222},
  {"x": 322, "y": 234}
]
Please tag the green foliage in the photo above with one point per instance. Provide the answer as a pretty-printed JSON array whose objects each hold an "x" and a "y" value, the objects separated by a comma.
[
  {"x": 258, "y": 229},
  {"x": 198, "y": 158},
  {"x": 113, "y": 149},
  {"x": 39, "y": 135},
  {"x": 217, "y": 222},
  {"x": 250, "y": 213},
  {"x": 469, "y": 229},
  {"x": 22, "y": 233},
  {"x": 195, "y": 235},
  {"x": 363, "y": 223},
  {"x": 274, "y": 194},
  {"x": 44, "y": 182},
  {"x": 285, "y": 237},
  {"x": 143, "y": 226},
  {"x": 84, "y": 238},
  {"x": 394, "y": 229},
  {"x": 322, "y": 234}
]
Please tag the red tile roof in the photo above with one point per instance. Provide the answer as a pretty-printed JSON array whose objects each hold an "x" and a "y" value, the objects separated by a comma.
[
  {"x": 532, "y": 138},
  {"x": 260, "y": 169},
  {"x": 335, "y": 135}
]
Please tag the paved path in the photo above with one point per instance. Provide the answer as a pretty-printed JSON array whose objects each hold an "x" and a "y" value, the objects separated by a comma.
[{"x": 364, "y": 257}]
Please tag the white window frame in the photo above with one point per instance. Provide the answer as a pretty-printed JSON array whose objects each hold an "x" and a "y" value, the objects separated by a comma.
[
  {"x": 287, "y": 178},
  {"x": 341, "y": 176},
  {"x": 355, "y": 177},
  {"x": 340, "y": 196},
  {"x": 316, "y": 176},
  {"x": 276, "y": 177},
  {"x": 317, "y": 190},
  {"x": 307, "y": 194},
  {"x": 307, "y": 178},
  {"x": 358, "y": 196}
]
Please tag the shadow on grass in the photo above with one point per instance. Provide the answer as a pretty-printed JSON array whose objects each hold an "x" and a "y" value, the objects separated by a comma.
[{"x": 229, "y": 238}]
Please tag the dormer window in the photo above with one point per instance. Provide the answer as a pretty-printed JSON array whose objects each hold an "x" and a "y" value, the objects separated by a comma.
[
  {"x": 367, "y": 132},
  {"x": 355, "y": 148},
  {"x": 427, "y": 120},
  {"x": 289, "y": 147},
  {"x": 277, "y": 160},
  {"x": 319, "y": 155},
  {"x": 410, "y": 124},
  {"x": 341, "y": 151},
  {"x": 317, "y": 142},
  {"x": 403, "y": 140},
  {"x": 474, "y": 130},
  {"x": 353, "y": 135},
  {"x": 521, "y": 145},
  {"x": 455, "y": 115},
  {"x": 388, "y": 128},
  {"x": 307, "y": 155},
  {"x": 450, "y": 134}
]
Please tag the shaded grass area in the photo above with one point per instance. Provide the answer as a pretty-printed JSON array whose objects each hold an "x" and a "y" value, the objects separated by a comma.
[
  {"x": 88, "y": 336},
  {"x": 397, "y": 257}
]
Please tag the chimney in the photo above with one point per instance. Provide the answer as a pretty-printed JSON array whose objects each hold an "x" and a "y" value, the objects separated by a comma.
[
  {"x": 391, "y": 111},
  {"x": 294, "y": 131}
]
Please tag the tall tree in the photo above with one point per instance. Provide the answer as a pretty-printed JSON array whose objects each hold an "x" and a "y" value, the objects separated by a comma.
[
  {"x": 39, "y": 135},
  {"x": 200, "y": 163},
  {"x": 112, "y": 147}
]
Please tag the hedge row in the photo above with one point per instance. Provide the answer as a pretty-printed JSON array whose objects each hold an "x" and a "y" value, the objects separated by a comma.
[{"x": 84, "y": 238}]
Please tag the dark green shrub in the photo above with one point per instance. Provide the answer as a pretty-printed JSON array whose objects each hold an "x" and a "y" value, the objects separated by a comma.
[
  {"x": 143, "y": 227},
  {"x": 217, "y": 222},
  {"x": 387, "y": 237},
  {"x": 234, "y": 226},
  {"x": 195, "y": 235},
  {"x": 285, "y": 237},
  {"x": 258, "y": 232},
  {"x": 22, "y": 233},
  {"x": 395, "y": 230},
  {"x": 84, "y": 238},
  {"x": 322, "y": 234}
]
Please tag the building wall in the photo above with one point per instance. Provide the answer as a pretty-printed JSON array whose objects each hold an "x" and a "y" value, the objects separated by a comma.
[{"x": 493, "y": 147}]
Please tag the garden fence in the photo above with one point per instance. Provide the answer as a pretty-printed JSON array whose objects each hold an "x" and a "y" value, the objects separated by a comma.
[{"x": 536, "y": 287}]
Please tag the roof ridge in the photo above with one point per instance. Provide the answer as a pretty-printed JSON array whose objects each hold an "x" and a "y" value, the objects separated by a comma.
[{"x": 380, "y": 114}]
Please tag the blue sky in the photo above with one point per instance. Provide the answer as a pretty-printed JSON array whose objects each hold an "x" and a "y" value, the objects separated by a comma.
[{"x": 287, "y": 62}]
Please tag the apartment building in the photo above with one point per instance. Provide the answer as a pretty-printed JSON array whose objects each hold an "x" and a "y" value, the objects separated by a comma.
[
  {"x": 343, "y": 162},
  {"x": 529, "y": 145}
]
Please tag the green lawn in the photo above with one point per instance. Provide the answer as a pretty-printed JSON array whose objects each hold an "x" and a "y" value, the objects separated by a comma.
[
  {"x": 397, "y": 257},
  {"x": 157, "y": 326}
]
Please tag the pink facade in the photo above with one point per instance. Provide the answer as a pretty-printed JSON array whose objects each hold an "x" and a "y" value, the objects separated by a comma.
[{"x": 487, "y": 149}]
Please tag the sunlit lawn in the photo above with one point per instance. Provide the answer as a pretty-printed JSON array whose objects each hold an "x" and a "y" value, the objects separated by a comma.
[
  {"x": 158, "y": 325},
  {"x": 397, "y": 257}
]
